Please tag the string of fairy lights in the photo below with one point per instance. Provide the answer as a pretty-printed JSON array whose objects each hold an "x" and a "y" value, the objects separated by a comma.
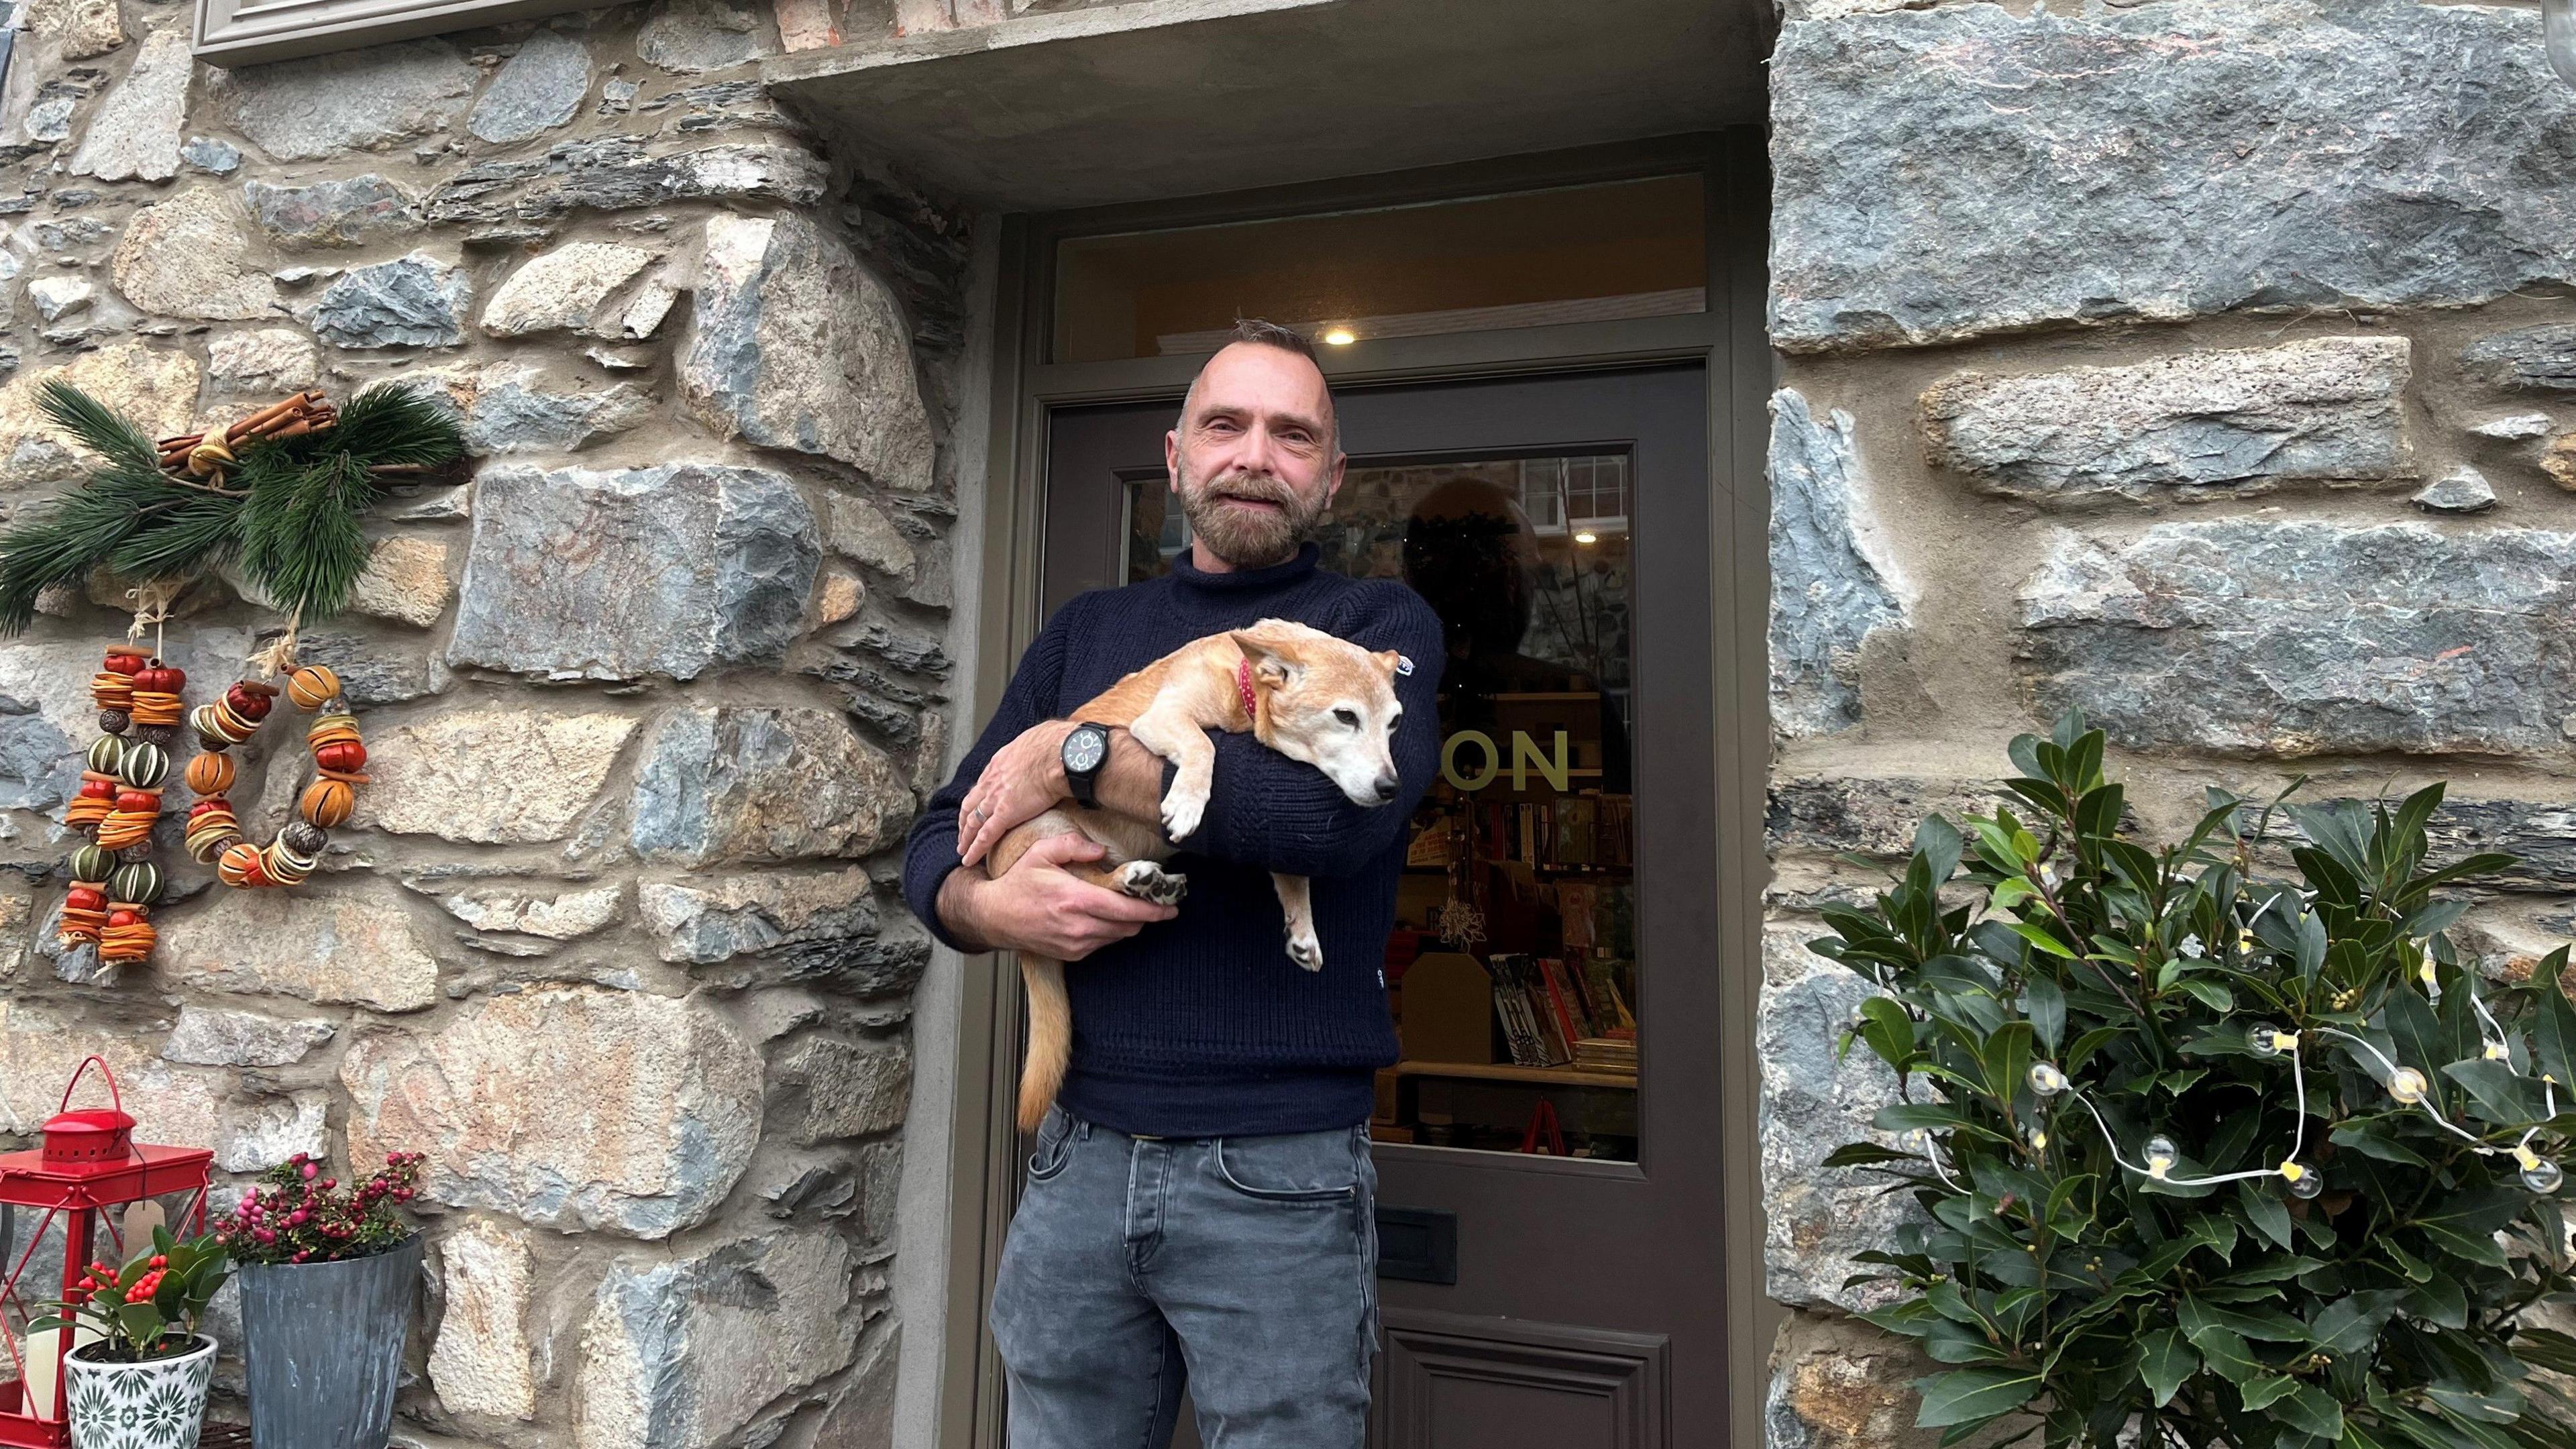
[{"x": 2407, "y": 1086}]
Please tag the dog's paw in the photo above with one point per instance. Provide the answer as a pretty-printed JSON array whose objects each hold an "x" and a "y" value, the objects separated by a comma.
[
  {"x": 1182, "y": 810},
  {"x": 1306, "y": 951},
  {"x": 1147, "y": 881}
]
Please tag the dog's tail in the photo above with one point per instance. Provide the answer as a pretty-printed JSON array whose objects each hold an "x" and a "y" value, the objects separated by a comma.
[{"x": 1050, "y": 1038}]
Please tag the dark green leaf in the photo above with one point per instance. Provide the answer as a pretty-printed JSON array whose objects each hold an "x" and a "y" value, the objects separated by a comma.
[
  {"x": 2350, "y": 1324},
  {"x": 1973, "y": 1395},
  {"x": 2272, "y": 1324},
  {"x": 2166, "y": 1360},
  {"x": 2268, "y": 1214},
  {"x": 2045, "y": 1003},
  {"x": 2227, "y": 1354},
  {"x": 2311, "y": 1410},
  {"x": 2264, "y": 1390},
  {"x": 1867, "y": 1154}
]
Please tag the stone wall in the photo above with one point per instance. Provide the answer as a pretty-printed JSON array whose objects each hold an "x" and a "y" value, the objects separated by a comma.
[
  {"x": 612, "y": 938},
  {"x": 2207, "y": 364}
]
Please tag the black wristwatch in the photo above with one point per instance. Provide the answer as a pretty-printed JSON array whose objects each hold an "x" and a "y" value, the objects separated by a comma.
[{"x": 1085, "y": 751}]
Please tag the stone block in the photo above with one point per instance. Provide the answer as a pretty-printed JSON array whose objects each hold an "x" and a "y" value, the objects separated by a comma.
[
  {"x": 861, "y": 1416},
  {"x": 212, "y": 1036},
  {"x": 691, "y": 36},
  {"x": 41, "y": 1046},
  {"x": 536, "y": 90},
  {"x": 1970, "y": 170},
  {"x": 405, "y": 581},
  {"x": 412, "y": 301},
  {"x": 372, "y": 671},
  {"x": 154, "y": 387},
  {"x": 570, "y": 1107},
  {"x": 2513, "y": 427},
  {"x": 793, "y": 345},
  {"x": 861, "y": 530},
  {"x": 2539, "y": 359},
  {"x": 1834, "y": 582},
  {"x": 82, "y": 28},
  {"x": 212, "y": 156},
  {"x": 1838, "y": 814},
  {"x": 1816, "y": 1217},
  {"x": 565, "y": 290},
  {"x": 483, "y": 1360},
  {"x": 832, "y": 1087},
  {"x": 523, "y": 911},
  {"x": 134, "y": 133},
  {"x": 2462, "y": 490},
  {"x": 185, "y": 257},
  {"x": 681, "y": 1353},
  {"x": 494, "y": 776},
  {"x": 350, "y": 100},
  {"x": 575, "y": 574},
  {"x": 2331, "y": 408},
  {"x": 514, "y": 411},
  {"x": 620, "y": 173},
  {"x": 1838, "y": 1384},
  {"x": 2558, "y": 461},
  {"x": 58, "y": 297},
  {"x": 262, "y": 365},
  {"x": 338, "y": 213},
  {"x": 257, "y": 1135},
  {"x": 2308, "y": 637},
  {"x": 749, "y": 784},
  {"x": 710, "y": 920},
  {"x": 326, "y": 944}
]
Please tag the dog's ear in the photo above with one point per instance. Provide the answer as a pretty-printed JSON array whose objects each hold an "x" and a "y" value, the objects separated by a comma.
[
  {"x": 1268, "y": 665},
  {"x": 1395, "y": 664}
]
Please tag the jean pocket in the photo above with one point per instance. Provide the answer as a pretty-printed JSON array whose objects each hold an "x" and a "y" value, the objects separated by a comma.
[
  {"x": 1314, "y": 1167},
  {"x": 1055, "y": 1145}
]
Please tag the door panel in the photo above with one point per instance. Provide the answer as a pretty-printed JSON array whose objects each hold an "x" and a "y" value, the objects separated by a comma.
[{"x": 1576, "y": 1279}]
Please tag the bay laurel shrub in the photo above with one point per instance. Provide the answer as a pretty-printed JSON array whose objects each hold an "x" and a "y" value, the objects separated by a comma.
[{"x": 2211, "y": 1158}]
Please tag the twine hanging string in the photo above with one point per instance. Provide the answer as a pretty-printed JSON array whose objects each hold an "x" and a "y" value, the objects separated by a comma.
[
  {"x": 279, "y": 656},
  {"x": 151, "y": 601}
]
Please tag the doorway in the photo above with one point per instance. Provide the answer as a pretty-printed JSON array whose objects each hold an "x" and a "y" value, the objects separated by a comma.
[
  {"x": 1492, "y": 344},
  {"x": 1552, "y": 1203}
]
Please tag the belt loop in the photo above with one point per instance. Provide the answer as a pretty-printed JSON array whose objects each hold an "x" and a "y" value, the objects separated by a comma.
[{"x": 1081, "y": 1128}]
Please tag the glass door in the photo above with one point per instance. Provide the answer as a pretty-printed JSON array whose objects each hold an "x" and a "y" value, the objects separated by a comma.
[{"x": 1548, "y": 1147}]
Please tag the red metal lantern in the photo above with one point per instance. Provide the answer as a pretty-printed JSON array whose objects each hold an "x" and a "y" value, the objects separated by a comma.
[{"x": 88, "y": 1165}]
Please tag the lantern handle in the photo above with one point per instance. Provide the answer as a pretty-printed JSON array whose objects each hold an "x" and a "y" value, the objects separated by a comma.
[{"x": 114, "y": 1096}]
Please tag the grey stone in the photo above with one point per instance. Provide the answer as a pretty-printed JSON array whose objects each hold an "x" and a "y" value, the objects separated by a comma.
[
  {"x": 1815, "y": 1216},
  {"x": 681, "y": 567},
  {"x": 681, "y": 1352},
  {"x": 83, "y": 28},
  {"x": 2539, "y": 834},
  {"x": 214, "y": 1037},
  {"x": 2535, "y": 358},
  {"x": 829, "y": 1087},
  {"x": 708, "y": 921},
  {"x": 372, "y": 671},
  {"x": 186, "y": 257},
  {"x": 734, "y": 105},
  {"x": 309, "y": 109},
  {"x": 2514, "y": 427},
  {"x": 1832, "y": 581},
  {"x": 1841, "y": 814},
  {"x": 618, "y": 173},
  {"x": 617, "y": 97},
  {"x": 689, "y": 36},
  {"x": 1969, "y": 170},
  {"x": 58, "y": 297},
  {"x": 331, "y": 213},
  {"x": 863, "y": 1412},
  {"x": 38, "y": 770},
  {"x": 565, "y": 916},
  {"x": 2326, "y": 408},
  {"x": 512, "y": 413},
  {"x": 2462, "y": 490},
  {"x": 262, "y": 363},
  {"x": 258, "y": 1135},
  {"x": 754, "y": 785},
  {"x": 432, "y": 775},
  {"x": 2299, "y": 638},
  {"x": 565, "y": 290},
  {"x": 412, "y": 301},
  {"x": 535, "y": 91},
  {"x": 211, "y": 155},
  {"x": 134, "y": 134},
  {"x": 793, "y": 345}
]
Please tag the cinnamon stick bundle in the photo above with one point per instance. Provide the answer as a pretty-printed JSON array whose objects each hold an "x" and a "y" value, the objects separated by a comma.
[{"x": 305, "y": 412}]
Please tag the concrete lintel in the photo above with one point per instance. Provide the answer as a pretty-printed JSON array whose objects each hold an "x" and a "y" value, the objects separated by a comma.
[{"x": 1163, "y": 98}]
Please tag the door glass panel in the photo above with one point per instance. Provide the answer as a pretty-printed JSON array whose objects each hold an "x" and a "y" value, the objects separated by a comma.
[
  {"x": 1570, "y": 254},
  {"x": 1513, "y": 968}
]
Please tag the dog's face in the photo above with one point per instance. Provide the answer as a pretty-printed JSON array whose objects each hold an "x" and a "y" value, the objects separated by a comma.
[{"x": 1330, "y": 704}]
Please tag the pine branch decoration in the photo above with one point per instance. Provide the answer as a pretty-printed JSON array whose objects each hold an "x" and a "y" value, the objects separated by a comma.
[{"x": 287, "y": 513}]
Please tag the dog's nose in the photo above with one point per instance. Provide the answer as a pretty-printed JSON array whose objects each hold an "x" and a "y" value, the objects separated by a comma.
[{"x": 1387, "y": 786}]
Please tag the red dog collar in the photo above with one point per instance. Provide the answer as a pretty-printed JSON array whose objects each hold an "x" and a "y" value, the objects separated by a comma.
[{"x": 1243, "y": 687}]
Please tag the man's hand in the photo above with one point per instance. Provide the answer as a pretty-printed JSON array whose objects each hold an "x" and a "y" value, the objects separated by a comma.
[
  {"x": 1039, "y": 907},
  {"x": 1022, "y": 779}
]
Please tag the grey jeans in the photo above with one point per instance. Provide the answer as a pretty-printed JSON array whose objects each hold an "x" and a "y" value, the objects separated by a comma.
[{"x": 1245, "y": 1267}]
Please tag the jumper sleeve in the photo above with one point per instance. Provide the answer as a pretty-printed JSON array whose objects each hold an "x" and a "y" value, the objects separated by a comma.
[
  {"x": 1269, "y": 811},
  {"x": 930, "y": 852}
]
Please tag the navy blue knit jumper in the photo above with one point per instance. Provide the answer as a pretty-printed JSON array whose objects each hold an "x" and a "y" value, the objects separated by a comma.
[{"x": 1201, "y": 1026}]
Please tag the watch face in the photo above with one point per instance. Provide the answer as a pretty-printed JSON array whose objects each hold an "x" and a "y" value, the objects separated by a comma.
[{"x": 1083, "y": 749}]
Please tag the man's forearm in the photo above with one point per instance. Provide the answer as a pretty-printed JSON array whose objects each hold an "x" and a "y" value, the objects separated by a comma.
[
  {"x": 958, "y": 908},
  {"x": 1131, "y": 780}
]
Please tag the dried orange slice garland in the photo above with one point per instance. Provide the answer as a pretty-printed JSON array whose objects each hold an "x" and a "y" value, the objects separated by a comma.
[{"x": 114, "y": 882}]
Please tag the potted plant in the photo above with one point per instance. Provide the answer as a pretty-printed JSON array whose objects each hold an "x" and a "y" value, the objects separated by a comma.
[
  {"x": 141, "y": 1382},
  {"x": 328, "y": 1276},
  {"x": 2210, "y": 1158}
]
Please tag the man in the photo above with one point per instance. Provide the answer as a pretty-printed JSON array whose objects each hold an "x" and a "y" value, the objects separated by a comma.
[{"x": 1200, "y": 1206}]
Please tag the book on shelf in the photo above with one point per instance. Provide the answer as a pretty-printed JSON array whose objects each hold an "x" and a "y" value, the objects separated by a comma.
[
  {"x": 1563, "y": 1016},
  {"x": 1518, "y": 1012},
  {"x": 1610, "y": 1012},
  {"x": 1605, "y": 1054}
]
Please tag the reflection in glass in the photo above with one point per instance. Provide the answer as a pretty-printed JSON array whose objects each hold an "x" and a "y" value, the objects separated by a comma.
[{"x": 1513, "y": 966}]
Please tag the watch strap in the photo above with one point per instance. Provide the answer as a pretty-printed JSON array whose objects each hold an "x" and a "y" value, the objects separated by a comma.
[{"x": 1084, "y": 785}]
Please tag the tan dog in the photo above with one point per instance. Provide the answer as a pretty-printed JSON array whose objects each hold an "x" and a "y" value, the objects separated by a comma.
[{"x": 1314, "y": 698}]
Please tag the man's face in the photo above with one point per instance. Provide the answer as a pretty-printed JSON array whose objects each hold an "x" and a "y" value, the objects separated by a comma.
[{"x": 1253, "y": 461}]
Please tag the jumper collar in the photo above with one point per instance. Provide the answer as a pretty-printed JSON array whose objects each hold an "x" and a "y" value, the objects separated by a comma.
[
  {"x": 1243, "y": 687},
  {"x": 1242, "y": 580}
]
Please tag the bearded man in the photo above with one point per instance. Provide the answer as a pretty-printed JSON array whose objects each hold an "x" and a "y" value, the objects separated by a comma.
[{"x": 1200, "y": 1205}]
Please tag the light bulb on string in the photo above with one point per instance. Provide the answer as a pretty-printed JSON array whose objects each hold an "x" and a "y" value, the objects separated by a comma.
[
  {"x": 2305, "y": 1183},
  {"x": 2408, "y": 1086},
  {"x": 2046, "y": 1079},
  {"x": 2037, "y": 1136},
  {"x": 2161, "y": 1157},
  {"x": 2538, "y": 1173},
  {"x": 2269, "y": 1041},
  {"x": 2498, "y": 1052}
]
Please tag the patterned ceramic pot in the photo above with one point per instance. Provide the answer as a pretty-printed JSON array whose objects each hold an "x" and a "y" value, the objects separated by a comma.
[{"x": 155, "y": 1405}]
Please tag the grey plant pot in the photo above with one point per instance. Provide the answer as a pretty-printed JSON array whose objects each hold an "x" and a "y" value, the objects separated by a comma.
[{"x": 324, "y": 1346}]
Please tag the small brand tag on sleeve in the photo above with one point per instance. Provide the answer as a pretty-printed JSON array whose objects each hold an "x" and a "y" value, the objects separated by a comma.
[{"x": 1403, "y": 666}]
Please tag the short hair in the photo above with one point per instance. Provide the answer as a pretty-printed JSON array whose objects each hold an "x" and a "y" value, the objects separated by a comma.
[{"x": 1263, "y": 333}]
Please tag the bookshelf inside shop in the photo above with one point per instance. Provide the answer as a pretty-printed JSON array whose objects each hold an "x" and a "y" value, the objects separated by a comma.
[{"x": 1512, "y": 970}]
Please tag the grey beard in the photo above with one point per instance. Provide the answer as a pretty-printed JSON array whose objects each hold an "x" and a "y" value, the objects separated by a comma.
[{"x": 1247, "y": 540}]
